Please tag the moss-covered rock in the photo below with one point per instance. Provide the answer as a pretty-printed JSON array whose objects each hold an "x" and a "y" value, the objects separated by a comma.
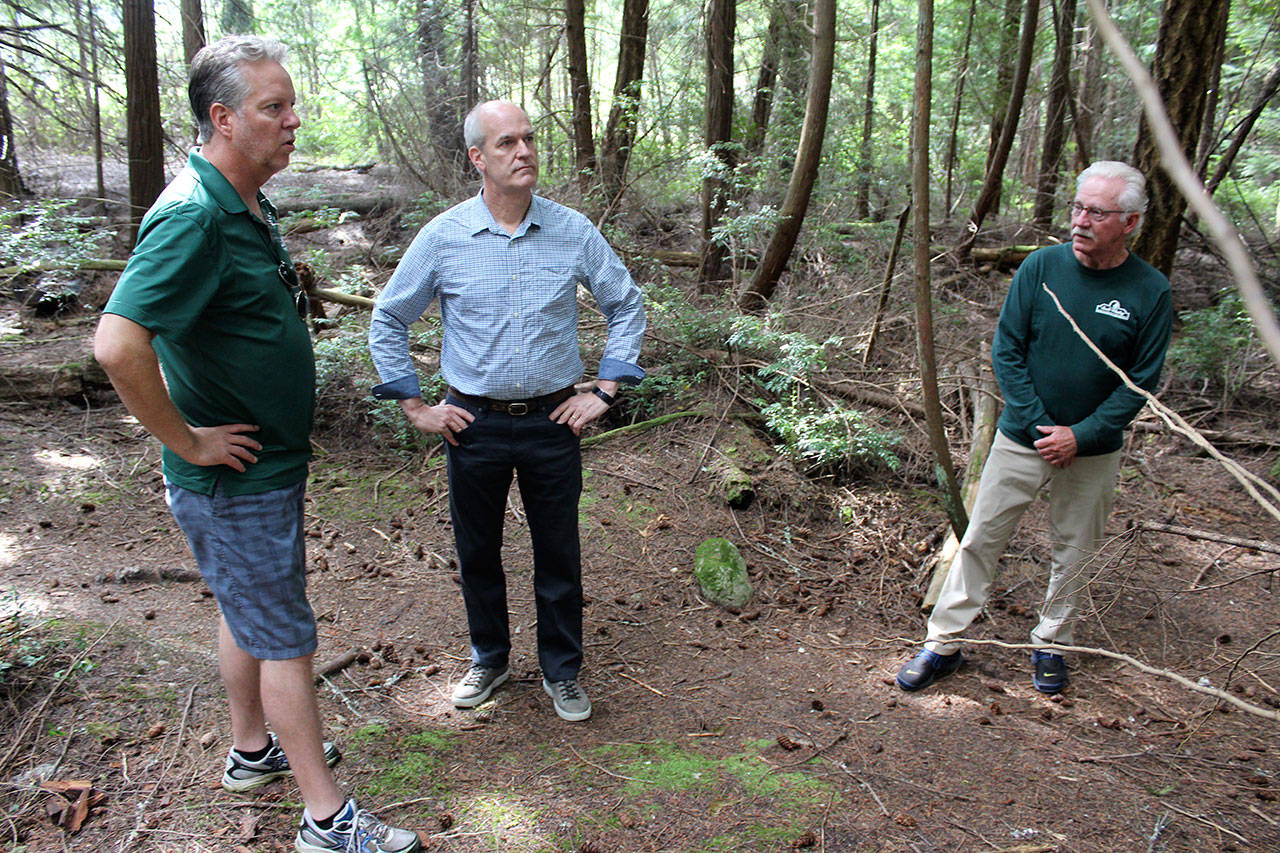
[{"x": 722, "y": 573}]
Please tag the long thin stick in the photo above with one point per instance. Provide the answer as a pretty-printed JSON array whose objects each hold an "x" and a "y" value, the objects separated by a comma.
[
  {"x": 1177, "y": 424},
  {"x": 1137, "y": 664}
]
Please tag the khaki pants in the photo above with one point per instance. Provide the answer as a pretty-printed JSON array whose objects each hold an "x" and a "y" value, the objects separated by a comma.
[{"x": 1080, "y": 498}]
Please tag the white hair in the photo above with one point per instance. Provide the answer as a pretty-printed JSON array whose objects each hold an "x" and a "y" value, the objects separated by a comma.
[{"x": 1133, "y": 198}]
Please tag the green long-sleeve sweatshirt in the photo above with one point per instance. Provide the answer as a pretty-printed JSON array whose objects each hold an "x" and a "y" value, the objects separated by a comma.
[{"x": 1049, "y": 377}]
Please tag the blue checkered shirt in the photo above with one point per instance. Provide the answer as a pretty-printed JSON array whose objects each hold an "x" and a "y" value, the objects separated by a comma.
[{"x": 508, "y": 304}]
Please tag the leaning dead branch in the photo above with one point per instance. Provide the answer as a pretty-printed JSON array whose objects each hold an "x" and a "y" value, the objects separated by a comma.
[
  {"x": 1265, "y": 713},
  {"x": 1175, "y": 163},
  {"x": 1209, "y": 536},
  {"x": 1251, "y": 482}
]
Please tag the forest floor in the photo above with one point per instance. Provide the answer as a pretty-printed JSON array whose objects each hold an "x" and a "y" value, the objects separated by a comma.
[{"x": 777, "y": 727}]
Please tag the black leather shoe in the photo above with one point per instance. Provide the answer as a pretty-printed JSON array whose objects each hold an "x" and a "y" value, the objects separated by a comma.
[
  {"x": 926, "y": 668},
  {"x": 1050, "y": 674}
]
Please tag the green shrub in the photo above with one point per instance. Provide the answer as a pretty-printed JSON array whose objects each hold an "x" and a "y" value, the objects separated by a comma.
[{"x": 1215, "y": 344}]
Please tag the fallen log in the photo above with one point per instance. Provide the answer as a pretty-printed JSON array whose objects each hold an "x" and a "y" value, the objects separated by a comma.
[
  {"x": 337, "y": 664},
  {"x": 340, "y": 298},
  {"x": 90, "y": 265},
  {"x": 63, "y": 381},
  {"x": 363, "y": 205}
]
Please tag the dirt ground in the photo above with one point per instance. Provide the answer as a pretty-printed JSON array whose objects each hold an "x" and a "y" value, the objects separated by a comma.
[{"x": 774, "y": 728}]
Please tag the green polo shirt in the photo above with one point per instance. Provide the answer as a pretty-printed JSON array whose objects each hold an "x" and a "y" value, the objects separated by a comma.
[
  {"x": 204, "y": 278},
  {"x": 1049, "y": 377}
]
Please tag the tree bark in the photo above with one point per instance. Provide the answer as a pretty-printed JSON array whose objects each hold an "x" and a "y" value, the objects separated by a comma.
[
  {"x": 920, "y": 182},
  {"x": 1004, "y": 88},
  {"x": 766, "y": 80},
  {"x": 1089, "y": 102},
  {"x": 624, "y": 115},
  {"x": 584, "y": 144},
  {"x": 470, "y": 59},
  {"x": 1268, "y": 92},
  {"x": 1209, "y": 125},
  {"x": 987, "y": 199},
  {"x": 862, "y": 198},
  {"x": 142, "y": 108},
  {"x": 962, "y": 76},
  {"x": 87, "y": 42},
  {"x": 808, "y": 156},
  {"x": 440, "y": 99},
  {"x": 1182, "y": 77},
  {"x": 192, "y": 28},
  {"x": 11, "y": 185},
  {"x": 1055, "y": 121},
  {"x": 721, "y": 18}
]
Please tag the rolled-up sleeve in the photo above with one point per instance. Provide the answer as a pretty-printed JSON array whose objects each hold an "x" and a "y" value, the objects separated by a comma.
[{"x": 622, "y": 304}]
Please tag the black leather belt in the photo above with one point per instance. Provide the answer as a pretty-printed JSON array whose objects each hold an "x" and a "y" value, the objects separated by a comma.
[{"x": 516, "y": 407}]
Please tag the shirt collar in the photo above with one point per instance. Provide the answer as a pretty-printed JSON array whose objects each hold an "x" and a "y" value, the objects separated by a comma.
[
  {"x": 218, "y": 187},
  {"x": 479, "y": 218}
]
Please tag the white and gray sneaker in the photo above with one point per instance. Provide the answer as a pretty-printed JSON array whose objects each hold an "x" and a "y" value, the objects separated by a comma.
[
  {"x": 569, "y": 698},
  {"x": 477, "y": 684},
  {"x": 354, "y": 831},
  {"x": 241, "y": 774}
]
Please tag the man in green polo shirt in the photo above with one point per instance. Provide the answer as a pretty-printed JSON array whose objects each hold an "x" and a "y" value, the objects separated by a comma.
[
  {"x": 210, "y": 297},
  {"x": 1064, "y": 417}
]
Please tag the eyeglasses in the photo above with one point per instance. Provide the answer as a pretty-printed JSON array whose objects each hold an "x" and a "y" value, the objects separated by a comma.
[
  {"x": 301, "y": 302},
  {"x": 1094, "y": 214}
]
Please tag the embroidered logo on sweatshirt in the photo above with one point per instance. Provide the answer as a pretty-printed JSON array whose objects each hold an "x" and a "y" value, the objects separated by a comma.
[{"x": 1113, "y": 309}]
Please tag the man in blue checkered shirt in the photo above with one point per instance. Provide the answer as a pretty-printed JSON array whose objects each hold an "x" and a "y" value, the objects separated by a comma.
[{"x": 505, "y": 266}]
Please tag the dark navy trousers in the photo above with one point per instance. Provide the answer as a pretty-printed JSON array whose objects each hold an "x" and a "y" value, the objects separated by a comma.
[{"x": 546, "y": 459}]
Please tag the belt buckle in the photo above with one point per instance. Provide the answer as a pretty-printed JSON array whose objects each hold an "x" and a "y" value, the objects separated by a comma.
[{"x": 518, "y": 408}]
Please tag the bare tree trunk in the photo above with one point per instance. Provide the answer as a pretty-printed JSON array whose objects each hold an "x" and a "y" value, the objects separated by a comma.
[
  {"x": 584, "y": 144},
  {"x": 808, "y": 156},
  {"x": 1268, "y": 92},
  {"x": 620, "y": 132},
  {"x": 862, "y": 198},
  {"x": 1088, "y": 103},
  {"x": 920, "y": 181},
  {"x": 1182, "y": 76},
  {"x": 470, "y": 59},
  {"x": 86, "y": 42},
  {"x": 1055, "y": 120},
  {"x": 10, "y": 178},
  {"x": 1004, "y": 88},
  {"x": 962, "y": 76},
  {"x": 995, "y": 172},
  {"x": 721, "y": 18},
  {"x": 192, "y": 28},
  {"x": 96, "y": 112},
  {"x": 440, "y": 99},
  {"x": 1209, "y": 126},
  {"x": 142, "y": 108},
  {"x": 766, "y": 80}
]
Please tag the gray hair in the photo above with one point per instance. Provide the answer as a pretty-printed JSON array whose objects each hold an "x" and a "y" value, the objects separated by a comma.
[
  {"x": 1133, "y": 198},
  {"x": 472, "y": 131},
  {"x": 473, "y": 127},
  {"x": 217, "y": 75}
]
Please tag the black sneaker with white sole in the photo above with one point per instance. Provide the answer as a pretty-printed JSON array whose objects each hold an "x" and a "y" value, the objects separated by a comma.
[{"x": 243, "y": 775}]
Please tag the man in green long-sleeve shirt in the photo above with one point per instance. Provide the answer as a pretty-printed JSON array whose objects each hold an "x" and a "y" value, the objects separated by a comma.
[{"x": 1064, "y": 416}]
